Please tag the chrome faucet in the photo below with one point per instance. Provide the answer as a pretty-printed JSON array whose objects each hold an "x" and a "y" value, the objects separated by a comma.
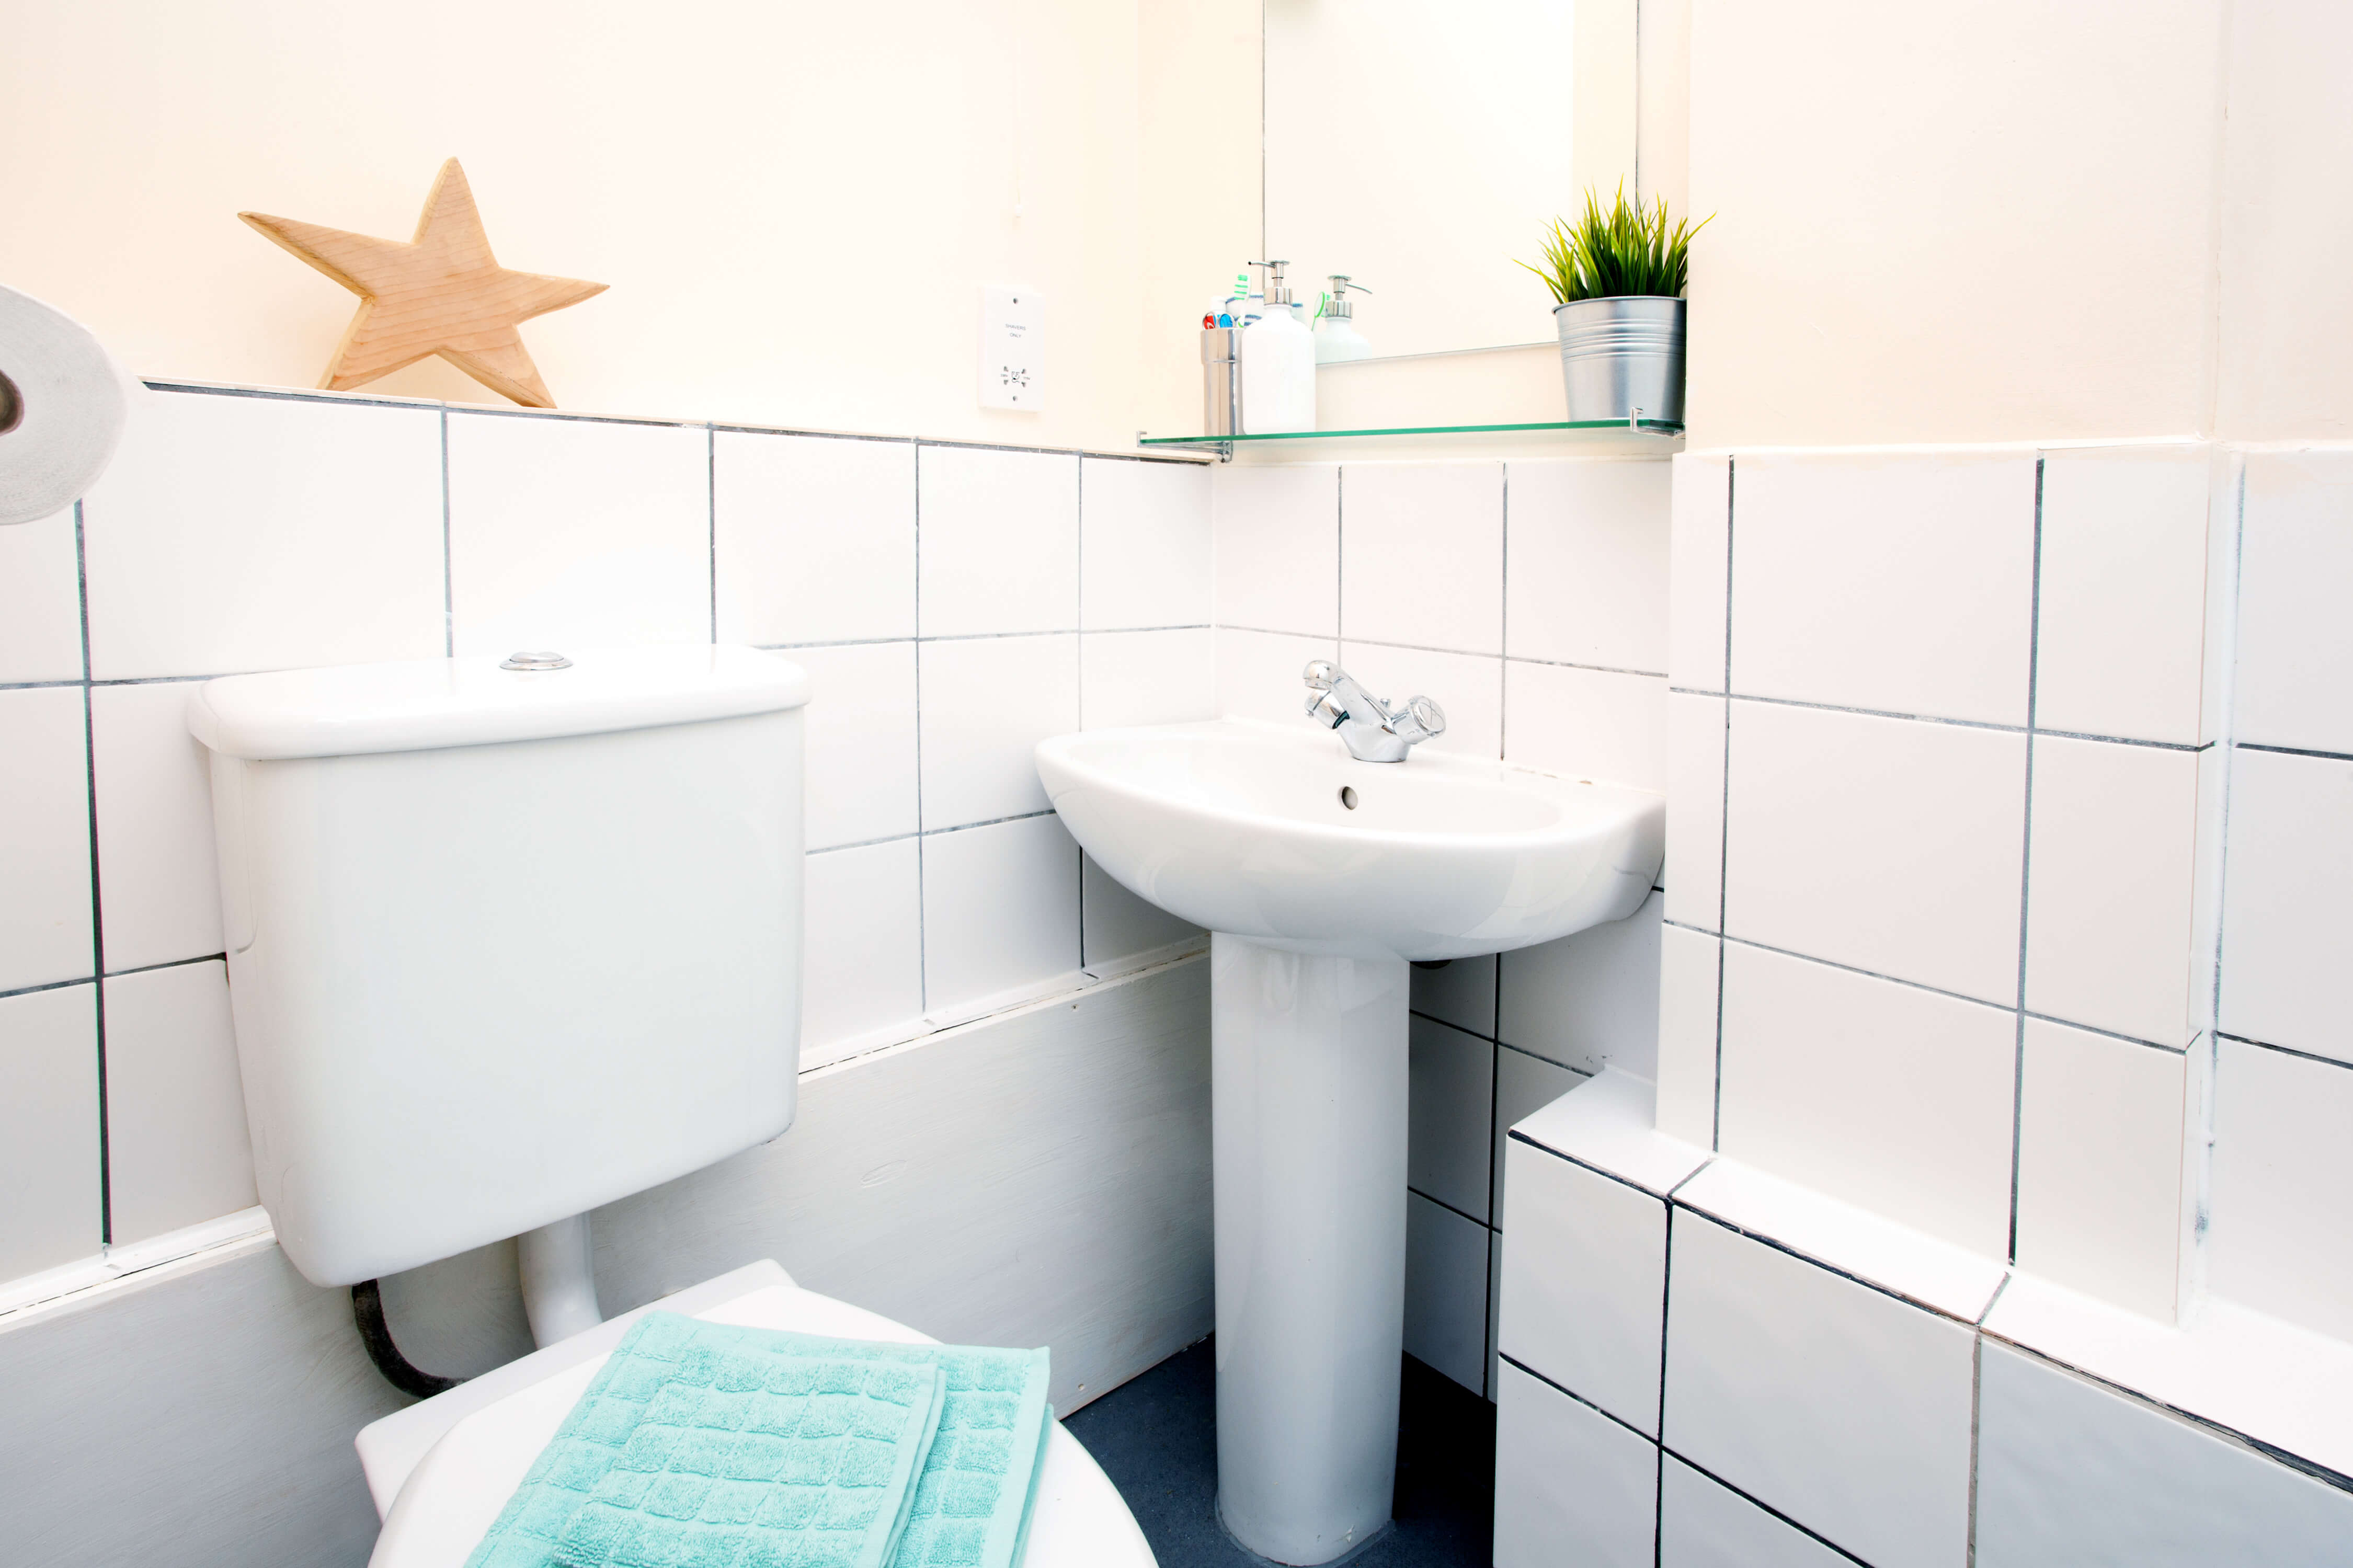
[{"x": 1375, "y": 732}]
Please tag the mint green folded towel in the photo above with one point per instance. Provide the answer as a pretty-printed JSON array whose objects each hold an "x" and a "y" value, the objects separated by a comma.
[
  {"x": 713, "y": 1446},
  {"x": 972, "y": 1504},
  {"x": 687, "y": 1453}
]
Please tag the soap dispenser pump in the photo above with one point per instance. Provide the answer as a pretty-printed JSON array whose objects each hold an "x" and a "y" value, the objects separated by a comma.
[
  {"x": 1278, "y": 364},
  {"x": 1337, "y": 338}
]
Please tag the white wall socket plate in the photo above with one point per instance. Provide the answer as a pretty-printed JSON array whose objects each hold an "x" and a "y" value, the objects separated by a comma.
[{"x": 1012, "y": 347}]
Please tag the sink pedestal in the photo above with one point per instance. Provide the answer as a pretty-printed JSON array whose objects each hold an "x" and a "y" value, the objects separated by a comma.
[{"x": 1308, "y": 1100}]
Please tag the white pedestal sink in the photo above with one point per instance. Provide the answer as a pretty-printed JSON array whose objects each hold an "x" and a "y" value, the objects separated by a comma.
[{"x": 1320, "y": 877}]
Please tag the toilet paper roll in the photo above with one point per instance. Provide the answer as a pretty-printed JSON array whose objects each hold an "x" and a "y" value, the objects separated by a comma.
[{"x": 62, "y": 404}]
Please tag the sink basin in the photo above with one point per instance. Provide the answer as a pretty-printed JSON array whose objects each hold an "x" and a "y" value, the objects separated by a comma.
[
  {"x": 1319, "y": 876},
  {"x": 1275, "y": 833}
]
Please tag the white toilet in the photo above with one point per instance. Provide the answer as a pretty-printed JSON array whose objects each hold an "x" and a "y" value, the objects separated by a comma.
[{"x": 509, "y": 940}]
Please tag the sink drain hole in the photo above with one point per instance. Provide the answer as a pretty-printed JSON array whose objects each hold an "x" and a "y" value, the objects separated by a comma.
[{"x": 1349, "y": 796}]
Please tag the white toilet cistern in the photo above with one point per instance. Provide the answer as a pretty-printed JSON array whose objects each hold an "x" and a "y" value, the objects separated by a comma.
[{"x": 508, "y": 940}]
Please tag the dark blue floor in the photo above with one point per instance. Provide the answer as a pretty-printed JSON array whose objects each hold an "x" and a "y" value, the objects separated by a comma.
[{"x": 1156, "y": 1438}]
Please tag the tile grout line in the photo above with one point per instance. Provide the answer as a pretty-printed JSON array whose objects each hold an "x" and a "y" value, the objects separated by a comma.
[
  {"x": 1994, "y": 1299},
  {"x": 2190, "y": 1045},
  {"x": 1339, "y": 556},
  {"x": 2025, "y": 866},
  {"x": 2292, "y": 752},
  {"x": 922, "y": 933},
  {"x": 167, "y": 963},
  {"x": 2183, "y": 1049},
  {"x": 1513, "y": 1135},
  {"x": 1427, "y": 648},
  {"x": 1491, "y": 1332},
  {"x": 1866, "y": 973},
  {"x": 1079, "y": 658},
  {"x": 1503, "y": 649},
  {"x": 93, "y": 979},
  {"x": 96, "y": 908},
  {"x": 449, "y": 567},
  {"x": 2284, "y": 1050},
  {"x": 1666, "y": 1306},
  {"x": 2310, "y": 1468},
  {"x": 2192, "y": 1277},
  {"x": 1683, "y": 1459},
  {"x": 958, "y": 637},
  {"x": 297, "y": 394},
  {"x": 1450, "y": 1208},
  {"x": 2226, "y": 725},
  {"x": 1986, "y": 725},
  {"x": 1723, "y": 816},
  {"x": 1788, "y": 1250},
  {"x": 47, "y": 986},
  {"x": 711, "y": 498},
  {"x": 1977, "y": 1420}
]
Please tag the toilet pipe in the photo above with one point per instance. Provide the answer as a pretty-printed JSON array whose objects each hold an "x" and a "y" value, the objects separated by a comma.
[
  {"x": 559, "y": 1298},
  {"x": 367, "y": 1310},
  {"x": 559, "y": 1285}
]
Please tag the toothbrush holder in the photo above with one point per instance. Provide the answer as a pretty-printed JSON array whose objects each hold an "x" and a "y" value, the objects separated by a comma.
[{"x": 1221, "y": 381}]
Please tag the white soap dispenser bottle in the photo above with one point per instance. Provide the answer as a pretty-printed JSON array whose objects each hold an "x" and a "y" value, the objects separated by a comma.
[
  {"x": 1337, "y": 338},
  {"x": 1278, "y": 369}
]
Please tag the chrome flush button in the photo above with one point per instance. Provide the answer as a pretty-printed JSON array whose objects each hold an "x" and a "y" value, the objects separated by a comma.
[{"x": 536, "y": 661}]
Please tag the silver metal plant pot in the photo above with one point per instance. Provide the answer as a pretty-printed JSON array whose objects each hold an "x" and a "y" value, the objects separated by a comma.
[{"x": 1623, "y": 354}]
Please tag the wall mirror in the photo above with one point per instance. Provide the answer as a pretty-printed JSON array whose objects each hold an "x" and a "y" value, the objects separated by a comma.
[{"x": 1420, "y": 147}]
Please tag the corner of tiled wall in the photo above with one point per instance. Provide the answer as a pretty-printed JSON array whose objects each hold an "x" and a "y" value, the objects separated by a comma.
[{"x": 1996, "y": 1025}]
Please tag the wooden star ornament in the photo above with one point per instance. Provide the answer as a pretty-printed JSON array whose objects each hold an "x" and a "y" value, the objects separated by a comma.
[{"x": 441, "y": 293}]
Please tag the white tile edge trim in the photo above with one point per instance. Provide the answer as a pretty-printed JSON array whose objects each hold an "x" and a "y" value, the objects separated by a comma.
[
  {"x": 117, "y": 1271},
  {"x": 2279, "y": 1387},
  {"x": 1927, "y": 1269},
  {"x": 154, "y": 384},
  {"x": 1053, "y": 992},
  {"x": 2282, "y": 1388},
  {"x": 1605, "y": 1124}
]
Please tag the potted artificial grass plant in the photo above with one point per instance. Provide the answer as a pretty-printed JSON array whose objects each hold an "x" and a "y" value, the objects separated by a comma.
[{"x": 1619, "y": 276}]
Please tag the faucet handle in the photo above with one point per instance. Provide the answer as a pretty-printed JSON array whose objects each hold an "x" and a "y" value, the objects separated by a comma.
[
  {"x": 1419, "y": 713},
  {"x": 1320, "y": 674}
]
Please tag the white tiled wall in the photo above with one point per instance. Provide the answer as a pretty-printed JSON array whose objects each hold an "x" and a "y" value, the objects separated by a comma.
[
  {"x": 570, "y": 532},
  {"x": 41, "y": 638},
  {"x": 1894, "y": 1096},
  {"x": 1960, "y": 792},
  {"x": 1669, "y": 1379},
  {"x": 1832, "y": 1403},
  {"x": 2018, "y": 792},
  {"x": 1493, "y": 1041},
  {"x": 49, "y": 1128},
  {"x": 952, "y": 604},
  {"x": 2069, "y": 1471},
  {"x": 235, "y": 534},
  {"x": 1574, "y": 1475},
  {"x": 1529, "y": 597},
  {"x": 1897, "y": 584}
]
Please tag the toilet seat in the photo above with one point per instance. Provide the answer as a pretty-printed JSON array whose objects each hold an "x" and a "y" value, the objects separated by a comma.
[{"x": 442, "y": 1469}]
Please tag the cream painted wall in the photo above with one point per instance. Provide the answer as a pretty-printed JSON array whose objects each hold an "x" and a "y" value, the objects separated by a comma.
[
  {"x": 1985, "y": 221},
  {"x": 2015, "y": 221},
  {"x": 1421, "y": 158},
  {"x": 1662, "y": 104},
  {"x": 796, "y": 204},
  {"x": 2286, "y": 328},
  {"x": 1200, "y": 97}
]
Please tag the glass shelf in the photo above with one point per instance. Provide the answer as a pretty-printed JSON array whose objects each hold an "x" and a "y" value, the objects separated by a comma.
[{"x": 1224, "y": 445}]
